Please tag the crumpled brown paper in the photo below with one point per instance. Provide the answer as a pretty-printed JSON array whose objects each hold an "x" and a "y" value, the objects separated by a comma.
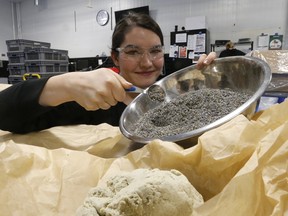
[
  {"x": 277, "y": 59},
  {"x": 240, "y": 168}
]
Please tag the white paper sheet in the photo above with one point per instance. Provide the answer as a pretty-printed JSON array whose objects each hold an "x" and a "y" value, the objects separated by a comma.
[
  {"x": 173, "y": 52},
  {"x": 263, "y": 40},
  {"x": 181, "y": 38}
]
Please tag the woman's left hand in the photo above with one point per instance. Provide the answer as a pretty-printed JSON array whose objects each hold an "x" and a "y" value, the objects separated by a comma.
[{"x": 206, "y": 59}]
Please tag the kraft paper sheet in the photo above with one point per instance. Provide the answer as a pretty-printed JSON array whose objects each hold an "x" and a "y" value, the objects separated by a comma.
[{"x": 240, "y": 168}]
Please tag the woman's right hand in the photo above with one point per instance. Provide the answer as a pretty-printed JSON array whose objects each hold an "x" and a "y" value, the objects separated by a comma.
[{"x": 98, "y": 89}]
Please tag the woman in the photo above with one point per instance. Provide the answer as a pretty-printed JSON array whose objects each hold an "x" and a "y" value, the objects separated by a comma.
[
  {"x": 231, "y": 51},
  {"x": 92, "y": 97}
]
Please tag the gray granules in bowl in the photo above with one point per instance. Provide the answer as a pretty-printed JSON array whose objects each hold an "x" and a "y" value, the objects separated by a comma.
[
  {"x": 156, "y": 93},
  {"x": 188, "y": 112}
]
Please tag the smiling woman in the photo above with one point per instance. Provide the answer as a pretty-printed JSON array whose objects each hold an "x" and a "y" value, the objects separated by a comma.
[{"x": 91, "y": 97}]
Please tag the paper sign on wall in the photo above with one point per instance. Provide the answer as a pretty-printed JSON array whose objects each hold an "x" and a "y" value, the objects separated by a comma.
[
  {"x": 182, "y": 52},
  {"x": 275, "y": 42},
  {"x": 200, "y": 43},
  {"x": 263, "y": 40},
  {"x": 173, "y": 52},
  {"x": 181, "y": 38},
  {"x": 191, "y": 42}
]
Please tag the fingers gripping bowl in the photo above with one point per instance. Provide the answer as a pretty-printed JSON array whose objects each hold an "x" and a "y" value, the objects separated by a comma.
[{"x": 244, "y": 75}]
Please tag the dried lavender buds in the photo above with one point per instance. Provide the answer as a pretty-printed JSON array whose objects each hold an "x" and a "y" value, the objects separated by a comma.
[
  {"x": 156, "y": 93},
  {"x": 188, "y": 112}
]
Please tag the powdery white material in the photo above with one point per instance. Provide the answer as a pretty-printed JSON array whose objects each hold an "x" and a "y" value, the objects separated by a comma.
[{"x": 143, "y": 192}]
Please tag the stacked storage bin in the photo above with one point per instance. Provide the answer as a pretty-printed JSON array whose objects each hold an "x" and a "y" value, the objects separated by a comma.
[
  {"x": 33, "y": 59},
  {"x": 46, "y": 61}
]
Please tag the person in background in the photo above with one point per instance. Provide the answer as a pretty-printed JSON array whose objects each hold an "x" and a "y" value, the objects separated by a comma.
[
  {"x": 90, "y": 97},
  {"x": 231, "y": 51}
]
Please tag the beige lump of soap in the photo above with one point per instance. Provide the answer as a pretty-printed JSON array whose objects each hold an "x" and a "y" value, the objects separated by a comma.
[{"x": 143, "y": 192}]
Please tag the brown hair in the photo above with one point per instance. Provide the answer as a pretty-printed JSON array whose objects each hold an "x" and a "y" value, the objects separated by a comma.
[
  {"x": 132, "y": 20},
  {"x": 229, "y": 45}
]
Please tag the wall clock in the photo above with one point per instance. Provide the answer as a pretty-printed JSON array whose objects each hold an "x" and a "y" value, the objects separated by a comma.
[{"x": 102, "y": 17}]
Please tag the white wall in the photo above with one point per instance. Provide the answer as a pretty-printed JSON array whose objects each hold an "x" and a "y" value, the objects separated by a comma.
[
  {"x": 6, "y": 31},
  {"x": 53, "y": 20}
]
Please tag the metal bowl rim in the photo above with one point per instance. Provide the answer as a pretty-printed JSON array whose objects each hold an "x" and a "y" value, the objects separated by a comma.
[{"x": 199, "y": 131}]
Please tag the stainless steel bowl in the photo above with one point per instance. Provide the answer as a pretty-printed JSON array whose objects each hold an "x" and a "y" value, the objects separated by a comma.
[{"x": 240, "y": 73}]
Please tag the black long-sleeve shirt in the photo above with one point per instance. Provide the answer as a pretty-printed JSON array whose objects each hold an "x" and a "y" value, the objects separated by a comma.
[
  {"x": 20, "y": 111},
  {"x": 231, "y": 52}
]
